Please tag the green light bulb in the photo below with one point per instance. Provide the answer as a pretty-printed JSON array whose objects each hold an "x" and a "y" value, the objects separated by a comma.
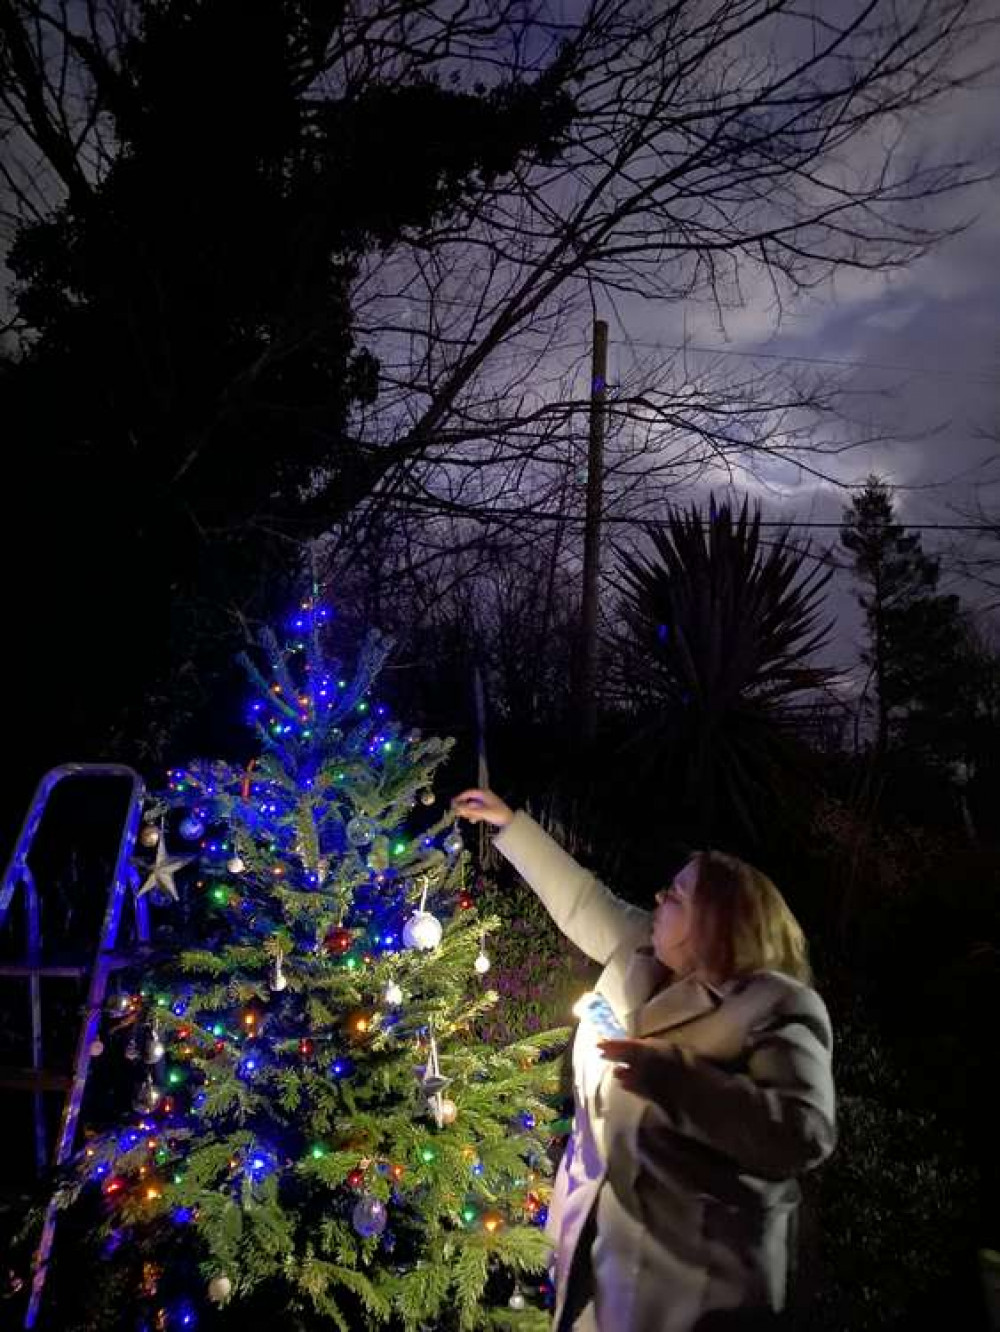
[{"x": 427, "y": 1154}]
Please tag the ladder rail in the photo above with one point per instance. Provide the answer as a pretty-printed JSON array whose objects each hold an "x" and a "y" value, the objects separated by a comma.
[{"x": 18, "y": 873}]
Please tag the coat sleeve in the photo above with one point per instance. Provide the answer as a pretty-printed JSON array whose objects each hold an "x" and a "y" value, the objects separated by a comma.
[
  {"x": 585, "y": 910},
  {"x": 776, "y": 1119}
]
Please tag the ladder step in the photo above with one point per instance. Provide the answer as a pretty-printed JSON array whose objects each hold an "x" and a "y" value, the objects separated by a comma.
[
  {"x": 69, "y": 968},
  {"x": 34, "y": 1079}
]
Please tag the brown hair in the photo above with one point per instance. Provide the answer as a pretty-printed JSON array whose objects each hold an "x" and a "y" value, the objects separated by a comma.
[{"x": 742, "y": 923}]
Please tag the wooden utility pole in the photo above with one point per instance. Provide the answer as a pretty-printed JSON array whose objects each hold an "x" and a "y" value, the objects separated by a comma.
[{"x": 592, "y": 533}]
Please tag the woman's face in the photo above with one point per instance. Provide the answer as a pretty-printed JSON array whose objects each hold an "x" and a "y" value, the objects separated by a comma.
[{"x": 672, "y": 920}]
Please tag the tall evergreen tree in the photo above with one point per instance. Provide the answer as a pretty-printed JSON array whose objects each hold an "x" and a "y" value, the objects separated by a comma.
[
  {"x": 917, "y": 640},
  {"x": 180, "y": 409}
]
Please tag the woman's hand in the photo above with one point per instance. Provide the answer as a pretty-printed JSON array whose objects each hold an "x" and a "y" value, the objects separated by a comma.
[
  {"x": 482, "y": 806},
  {"x": 639, "y": 1064}
]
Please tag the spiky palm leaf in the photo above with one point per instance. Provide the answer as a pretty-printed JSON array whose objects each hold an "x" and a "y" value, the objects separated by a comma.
[{"x": 719, "y": 630}]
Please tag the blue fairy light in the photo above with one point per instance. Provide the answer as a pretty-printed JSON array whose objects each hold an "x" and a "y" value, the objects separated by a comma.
[
  {"x": 528, "y": 1120},
  {"x": 182, "y": 1215},
  {"x": 341, "y": 1067}
]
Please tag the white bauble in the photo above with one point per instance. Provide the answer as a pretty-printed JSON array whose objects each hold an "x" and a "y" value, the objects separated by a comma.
[
  {"x": 422, "y": 931},
  {"x": 482, "y": 964},
  {"x": 516, "y": 1301},
  {"x": 219, "y": 1289},
  {"x": 235, "y": 865},
  {"x": 392, "y": 995}
]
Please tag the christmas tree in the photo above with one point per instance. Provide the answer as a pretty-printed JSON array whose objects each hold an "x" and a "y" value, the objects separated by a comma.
[{"x": 320, "y": 1134}]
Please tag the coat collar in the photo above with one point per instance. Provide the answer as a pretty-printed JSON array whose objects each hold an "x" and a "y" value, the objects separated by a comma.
[{"x": 635, "y": 993}]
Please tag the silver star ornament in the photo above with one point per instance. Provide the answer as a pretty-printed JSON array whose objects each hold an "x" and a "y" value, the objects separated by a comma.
[{"x": 162, "y": 871}]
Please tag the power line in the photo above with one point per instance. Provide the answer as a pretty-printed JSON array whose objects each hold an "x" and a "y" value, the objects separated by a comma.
[
  {"x": 982, "y": 378},
  {"x": 920, "y": 527}
]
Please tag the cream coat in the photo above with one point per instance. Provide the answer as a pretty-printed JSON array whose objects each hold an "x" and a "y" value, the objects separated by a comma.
[{"x": 668, "y": 1213}]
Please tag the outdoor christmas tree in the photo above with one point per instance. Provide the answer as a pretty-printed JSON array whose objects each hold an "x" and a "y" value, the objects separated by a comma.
[{"x": 320, "y": 1135}]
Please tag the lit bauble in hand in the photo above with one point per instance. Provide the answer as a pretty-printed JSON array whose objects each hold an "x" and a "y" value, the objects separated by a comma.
[{"x": 422, "y": 931}]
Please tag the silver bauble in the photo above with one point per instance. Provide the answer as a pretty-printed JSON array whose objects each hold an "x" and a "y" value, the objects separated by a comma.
[
  {"x": 219, "y": 1289},
  {"x": 118, "y": 1005},
  {"x": 422, "y": 931},
  {"x": 361, "y": 830},
  {"x": 235, "y": 866},
  {"x": 482, "y": 964},
  {"x": 150, "y": 835},
  {"x": 192, "y": 828},
  {"x": 369, "y": 1216},
  {"x": 453, "y": 844}
]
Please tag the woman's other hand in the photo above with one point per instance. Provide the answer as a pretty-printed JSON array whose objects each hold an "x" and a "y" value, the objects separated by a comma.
[
  {"x": 482, "y": 806},
  {"x": 638, "y": 1064}
]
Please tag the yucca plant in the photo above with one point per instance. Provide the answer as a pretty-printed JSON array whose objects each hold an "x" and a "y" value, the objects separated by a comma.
[{"x": 717, "y": 631}]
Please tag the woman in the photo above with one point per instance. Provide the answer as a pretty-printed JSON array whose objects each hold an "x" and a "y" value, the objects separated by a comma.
[{"x": 674, "y": 1203}]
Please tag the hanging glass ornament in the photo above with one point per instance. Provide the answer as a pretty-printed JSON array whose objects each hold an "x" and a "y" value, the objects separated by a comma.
[
  {"x": 150, "y": 835},
  {"x": 369, "y": 1216},
  {"x": 153, "y": 1049},
  {"x": 276, "y": 978},
  {"x": 219, "y": 1289},
  {"x": 453, "y": 844},
  {"x": 338, "y": 941},
  {"x": 192, "y": 828},
  {"x": 392, "y": 995},
  {"x": 361, "y": 830},
  {"x": 517, "y": 1300},
  {"x": 427, "y": 797},
  {"x": 148, "y": 1097},
  {"x": 482, "y": 963},
  {"x": 422, "y": 931},
  {"x": 235, "y": 865}
]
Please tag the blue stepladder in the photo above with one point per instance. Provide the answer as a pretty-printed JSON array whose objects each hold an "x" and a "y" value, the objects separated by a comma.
[{"x": 93, "y": 965}]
